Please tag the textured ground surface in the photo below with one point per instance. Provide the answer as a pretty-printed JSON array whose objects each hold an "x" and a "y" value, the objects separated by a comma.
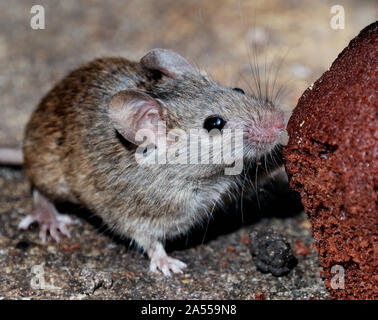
[
  {"x": 216, "y": 36},
  {"x": 219, "y": 261}
]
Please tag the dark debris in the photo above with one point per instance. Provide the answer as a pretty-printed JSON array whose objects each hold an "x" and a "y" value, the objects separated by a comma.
[{"x": 271, "y": 252}]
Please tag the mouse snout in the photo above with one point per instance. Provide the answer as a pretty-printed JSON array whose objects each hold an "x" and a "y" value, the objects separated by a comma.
[
  {"x": 265, "y": 131},
  {"x": 276, "y": 122}
]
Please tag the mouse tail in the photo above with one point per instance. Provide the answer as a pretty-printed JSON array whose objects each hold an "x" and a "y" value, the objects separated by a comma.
[{"x": 11, "y": 156}]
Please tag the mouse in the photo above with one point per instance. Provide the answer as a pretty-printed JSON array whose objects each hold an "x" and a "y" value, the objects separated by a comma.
[{"x": 81, "y": 142}]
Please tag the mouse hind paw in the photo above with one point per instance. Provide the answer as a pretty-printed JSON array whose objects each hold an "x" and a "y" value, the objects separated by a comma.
[{"x": 50, "y": 221}]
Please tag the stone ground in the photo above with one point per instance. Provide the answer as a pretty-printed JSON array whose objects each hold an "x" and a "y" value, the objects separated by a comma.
[{"x": 216, "y": 35}]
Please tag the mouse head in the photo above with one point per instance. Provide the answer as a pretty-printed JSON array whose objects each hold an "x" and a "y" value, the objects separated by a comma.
[{"x": 186, "y": 99}]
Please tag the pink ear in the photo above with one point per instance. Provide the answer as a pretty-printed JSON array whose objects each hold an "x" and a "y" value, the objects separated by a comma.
[
  {"x": 132, "y": 110},
  {"x": 168, "y": 62}
]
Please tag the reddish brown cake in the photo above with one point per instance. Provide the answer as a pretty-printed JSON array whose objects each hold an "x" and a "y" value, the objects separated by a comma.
[{"x": 331, "y": 159}]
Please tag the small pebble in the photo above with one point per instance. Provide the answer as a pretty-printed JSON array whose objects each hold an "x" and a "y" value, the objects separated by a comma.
[{"x": 93, "y": 279}]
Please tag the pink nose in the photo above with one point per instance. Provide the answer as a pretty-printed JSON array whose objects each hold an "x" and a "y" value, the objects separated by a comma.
[
  {"x": 267, "y": 130},
  {"x": 274, "y": 122},
  {"x": 279, "y": 124}
]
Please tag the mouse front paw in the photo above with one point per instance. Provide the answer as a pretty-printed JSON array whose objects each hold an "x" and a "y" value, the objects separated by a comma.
[
  {"x": 167, "y": 264},
  {"x": 161, "y": 261}
]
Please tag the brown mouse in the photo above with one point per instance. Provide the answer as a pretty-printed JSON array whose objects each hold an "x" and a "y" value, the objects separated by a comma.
[{"x": 80, "y": 146}]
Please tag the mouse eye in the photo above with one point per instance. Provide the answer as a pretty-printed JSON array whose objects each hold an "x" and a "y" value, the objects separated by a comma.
[
  {"x": 239, "y": 90},
  {"x": 214, "y": 122}
]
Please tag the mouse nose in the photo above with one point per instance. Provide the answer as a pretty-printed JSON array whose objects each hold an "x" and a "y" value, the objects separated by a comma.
[
  {"x": 278, "y": 123},
  {"x": 272, "y": 123},
  {"x": 267, "y": 129}
]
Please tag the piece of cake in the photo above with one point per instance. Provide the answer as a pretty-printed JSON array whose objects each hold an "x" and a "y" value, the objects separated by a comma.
[{"x": 331, "y": 159}]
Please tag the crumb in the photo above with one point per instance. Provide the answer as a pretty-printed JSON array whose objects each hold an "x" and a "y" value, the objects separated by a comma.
[
  {"x": 259, "y": 296},
  {"x": 306, "y": 224},
  {"x": 129, "y": 275},
  {"x": 314, "y": 247},
  {"x": 73, "y": 247},
  {"x": 300, "y": 248},
  {"x": 245, "y": 239}
]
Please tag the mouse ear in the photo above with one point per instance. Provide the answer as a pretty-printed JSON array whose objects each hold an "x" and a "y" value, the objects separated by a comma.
[
  {"x": 168, "y": 62},
  {"x": 131, "y": 111}
]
